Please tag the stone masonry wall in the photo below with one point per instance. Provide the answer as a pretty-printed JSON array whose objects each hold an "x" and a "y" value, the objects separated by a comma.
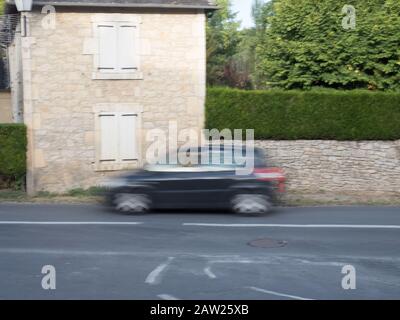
[
  {"x": 60, "y": 93},
  {"x": 367, "y": 168}
]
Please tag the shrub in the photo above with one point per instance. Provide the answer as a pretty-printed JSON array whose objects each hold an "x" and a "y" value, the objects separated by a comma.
[
  {"x": 13, "y": 152},
  {"x": 316, "y": 114}
]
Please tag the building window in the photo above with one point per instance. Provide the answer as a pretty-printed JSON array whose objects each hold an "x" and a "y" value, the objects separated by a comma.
[
  {"x": 8, "y": 27},
  {"x": 4, "y": 75},
  {"x": 118, "y": 137},
  {"x": 117, "y": 48}
]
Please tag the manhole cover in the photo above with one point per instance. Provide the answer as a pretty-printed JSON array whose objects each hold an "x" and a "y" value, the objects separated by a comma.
[{"x": 267, "y": 243}]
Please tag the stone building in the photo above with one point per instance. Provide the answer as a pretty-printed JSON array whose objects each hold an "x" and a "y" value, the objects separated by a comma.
[{"x": 90, "y": 78}]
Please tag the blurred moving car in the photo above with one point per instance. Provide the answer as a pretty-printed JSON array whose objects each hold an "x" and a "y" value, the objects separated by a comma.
[{"x": 212, "y": 184}]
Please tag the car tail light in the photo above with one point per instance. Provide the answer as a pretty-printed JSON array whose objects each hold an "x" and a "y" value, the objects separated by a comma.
[{"x": 274, "y": 175}]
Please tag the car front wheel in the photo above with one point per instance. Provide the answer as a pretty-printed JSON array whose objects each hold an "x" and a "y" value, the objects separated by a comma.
[
  {"x": 132, "y": 203},
  {"x": 251, "y": 204}
]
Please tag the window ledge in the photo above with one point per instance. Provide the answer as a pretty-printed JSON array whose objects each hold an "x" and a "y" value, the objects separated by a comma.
[{"x": 117, "y": 76}]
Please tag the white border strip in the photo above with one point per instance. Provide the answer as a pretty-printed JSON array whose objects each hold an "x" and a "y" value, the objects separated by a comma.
[{"x": 349, "y": 226}]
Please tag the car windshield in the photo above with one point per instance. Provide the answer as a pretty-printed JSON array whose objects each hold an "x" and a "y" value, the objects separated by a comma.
[{"x": 208, "y": 159}]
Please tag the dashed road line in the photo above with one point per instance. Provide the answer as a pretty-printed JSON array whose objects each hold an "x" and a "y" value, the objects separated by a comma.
[
  {"x": 67, "y": 223},
  {"x": 245, "y": 225},
  {"x": 222, "y": 225},
  {"x": 278, "y": 293},
  {"x": 167, "y": 297}
]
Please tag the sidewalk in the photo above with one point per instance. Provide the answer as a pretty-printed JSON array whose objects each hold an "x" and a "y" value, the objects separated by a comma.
[{"x": 295, "y": 199}]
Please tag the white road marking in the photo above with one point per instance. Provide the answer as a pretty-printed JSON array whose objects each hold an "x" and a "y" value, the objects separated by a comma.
[
  {"x": 209, "y": 273},
  {"x": 238, "y": 261},
  {"x": 154, "y": 277},
  {"x": 70, "y": 252},
  {"x": 327, "y": 264},
  {"x": 278, "y": 294},
  {"x": 67, "y": 223},
  {"x": 275, "y": 260},
  {"x": 167, "y": 297},
  {"x": 244, "y": 225}
]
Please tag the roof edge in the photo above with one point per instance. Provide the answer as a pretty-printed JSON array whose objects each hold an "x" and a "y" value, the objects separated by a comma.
[{"x": 67, "y": 3}]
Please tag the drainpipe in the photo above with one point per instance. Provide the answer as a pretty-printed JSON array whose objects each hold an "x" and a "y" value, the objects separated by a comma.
[{"x": 25, "y": 6}]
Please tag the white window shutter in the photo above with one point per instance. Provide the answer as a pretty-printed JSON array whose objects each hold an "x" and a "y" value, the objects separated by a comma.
[
  {"x": 107, "y": 47},
  {"x": 126, "y": 47},
  {"x": 127, "y": 137},
  {"x": 109, "y": 137}
]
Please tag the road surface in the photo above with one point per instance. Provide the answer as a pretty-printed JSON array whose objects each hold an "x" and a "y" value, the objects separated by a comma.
[{"x": 98, "y": 254}]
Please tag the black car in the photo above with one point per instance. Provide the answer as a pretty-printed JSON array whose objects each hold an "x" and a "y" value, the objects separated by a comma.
[{"x": 211, "y": 182}]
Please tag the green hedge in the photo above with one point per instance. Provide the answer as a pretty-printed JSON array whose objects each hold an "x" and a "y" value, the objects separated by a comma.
[
  {"x": 12, "y": 151},
  {"x": 317, "y": 114}
]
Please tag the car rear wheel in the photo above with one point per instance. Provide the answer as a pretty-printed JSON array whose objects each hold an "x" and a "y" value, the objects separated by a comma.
[
  {"x": 251, "y": 204},
  {"x": 132, "y": 203}
]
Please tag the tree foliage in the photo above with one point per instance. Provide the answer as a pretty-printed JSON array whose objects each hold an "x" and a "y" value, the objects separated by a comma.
[
  {"x": 231, "y": 52},
  {"x": 222, "y": 41},
  {"x": 305, "y": 45}
]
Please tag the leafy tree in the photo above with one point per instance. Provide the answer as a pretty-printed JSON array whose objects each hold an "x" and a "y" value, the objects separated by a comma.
[
  {"x": 240, "y": 70},
  {"x": 261, "y": 10},
  {"x": 222, "y": 42},
  {"x": 232, "y": 63},
  {"x": 305, "y": 45}
]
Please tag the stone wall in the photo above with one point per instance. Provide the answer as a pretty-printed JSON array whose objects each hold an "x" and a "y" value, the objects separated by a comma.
[
  {"x": 5, "y": 107},
  {"x": 60, "y": 94},
  {"x": 364, "y": 168}
]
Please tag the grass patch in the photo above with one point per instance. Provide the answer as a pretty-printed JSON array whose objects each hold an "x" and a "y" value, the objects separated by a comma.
[
  {"x": 298, "y": 199},
  {"x": 46, "y": 194},
  {"x": 12, "y": 195},
  {"x": 91, "y": 192},
  {"x": 79, "y": 195}
]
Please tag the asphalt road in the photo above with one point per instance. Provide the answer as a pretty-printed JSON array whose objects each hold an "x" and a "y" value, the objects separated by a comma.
[{"x": 98, "y": 254}]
